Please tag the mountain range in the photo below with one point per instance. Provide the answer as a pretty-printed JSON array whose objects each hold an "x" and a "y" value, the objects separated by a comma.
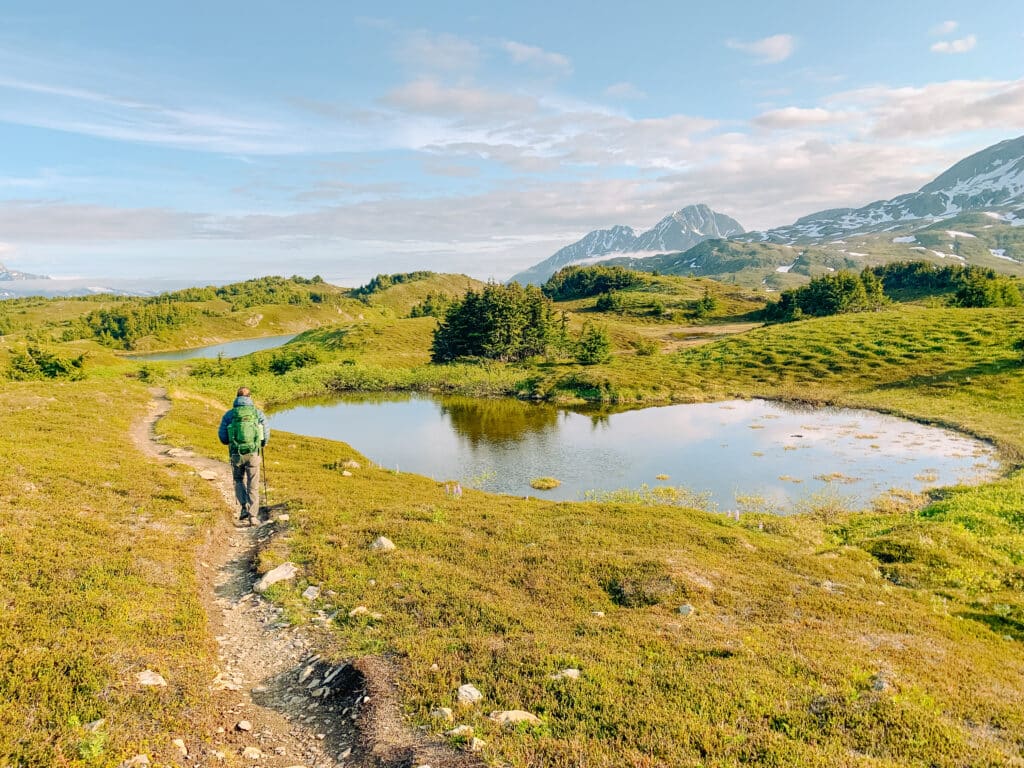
[
  {"x": 971, "y": 213},
  {"x": 11, "y": 275},
  {"x": 676, "y": 232},
  {"x": 991, "y": 180}
]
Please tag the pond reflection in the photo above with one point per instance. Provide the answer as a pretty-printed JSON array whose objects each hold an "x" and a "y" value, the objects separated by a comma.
[{"x": 730, "y": 449}]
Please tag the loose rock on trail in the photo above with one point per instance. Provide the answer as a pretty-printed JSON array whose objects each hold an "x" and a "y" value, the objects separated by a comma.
[{"x": 280, "y": 704}]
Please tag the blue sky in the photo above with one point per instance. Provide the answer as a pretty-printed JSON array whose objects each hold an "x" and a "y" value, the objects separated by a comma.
[{"x": 216, "y": 141}]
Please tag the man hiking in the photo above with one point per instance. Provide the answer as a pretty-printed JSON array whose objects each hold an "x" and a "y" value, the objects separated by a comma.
[{"x": 244, "y": 430}]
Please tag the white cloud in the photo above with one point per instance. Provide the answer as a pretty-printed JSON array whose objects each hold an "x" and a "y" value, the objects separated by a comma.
[
  {"x": 799, "y": 117},
  {"x": 624, "y": 91},
  {"x": 767, "y": 50},
  {"x": 944, "y": 28},
  {"x": 47, "y": 221},
  {"x": 424, "y": 51},
  {"x": 938, "y": 109},
  {"x": 428, "y": 96},
  {"x": 538, "y": 57},
  {"x": 961, "y": 45}
]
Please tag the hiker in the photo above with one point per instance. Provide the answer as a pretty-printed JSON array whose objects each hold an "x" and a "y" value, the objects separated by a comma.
[{"x": 244, "y": 430}]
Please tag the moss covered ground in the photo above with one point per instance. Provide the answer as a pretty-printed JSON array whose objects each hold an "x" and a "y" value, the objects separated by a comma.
[
  {"x": 97, "y": 582},
  {"x": 885, "y": 636}
]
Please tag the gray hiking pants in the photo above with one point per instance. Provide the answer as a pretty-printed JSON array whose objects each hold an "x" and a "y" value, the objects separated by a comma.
[{"x": 245, "y": 471}]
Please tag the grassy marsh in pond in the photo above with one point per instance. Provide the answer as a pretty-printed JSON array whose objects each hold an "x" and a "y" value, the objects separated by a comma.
[{"x": 545, "y": 483}]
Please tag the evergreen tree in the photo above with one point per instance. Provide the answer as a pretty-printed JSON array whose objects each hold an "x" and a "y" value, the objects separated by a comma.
[
  {"x": 501, "y": 322},
  {"x": 593, "y": 345}
]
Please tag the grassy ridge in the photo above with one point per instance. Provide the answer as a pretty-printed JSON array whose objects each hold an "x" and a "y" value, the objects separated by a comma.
[
  {"x": 798, "y": 651},
  {"x": 96, "y": 582}
]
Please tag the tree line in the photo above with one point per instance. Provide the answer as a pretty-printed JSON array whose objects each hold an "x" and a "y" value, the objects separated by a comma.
[
  {"x": 511, "y": 323},
  {"x": 832, "y": 294}
]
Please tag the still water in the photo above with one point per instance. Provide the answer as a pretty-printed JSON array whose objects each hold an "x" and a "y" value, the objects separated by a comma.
[
  {"x": 743, "y": 447},
  {"x": 229, "y": 349}
]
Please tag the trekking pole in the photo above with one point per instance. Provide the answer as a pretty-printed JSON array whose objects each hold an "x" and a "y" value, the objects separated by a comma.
[{"x": 266, "y": 495}]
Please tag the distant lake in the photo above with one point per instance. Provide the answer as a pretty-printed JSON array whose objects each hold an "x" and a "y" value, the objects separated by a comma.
[
  {"x": 740, "y": 447},
  {"x": 229, "y": 349}
]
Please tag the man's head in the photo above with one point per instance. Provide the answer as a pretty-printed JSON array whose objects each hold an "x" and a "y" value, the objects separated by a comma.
[{"x": 244, "y": 392}]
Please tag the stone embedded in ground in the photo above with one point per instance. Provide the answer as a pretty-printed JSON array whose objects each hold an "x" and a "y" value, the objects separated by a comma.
[
  {"x": 243, "y": 725},
  {"x": 222, "y": 682},
  {"x": 346, "y": 754},
  {"x": 359, "y": 610},
  {"x": 346, "y": 473},
  {"x": 135, "y": 762},
  {"x": 252, "y": 753},
  {"x": 514, "y": 716},
  {"x": 880, "y": 682},
  {"x": 475, "y": 744},
  {"x": 599, "y": 614},
  {"x": 468, "y": 695},
  {"x": 566, "y": 674},
  {"x": 305, "y": 673},
  {"x": 208, "y": 474},
  {"x": 383, "y": 544},
  {"x": 149, "y": 677},
  {"x": 282, "y": 518},
  {"x": 442, "y": 713},
  {"x": 351, "y": 464},
  {"x": 283, "y": 572},
  {"x": 95, "y": 725},
  {"x": 180, "y": 744},
  {"x": 460, "y": 732},
  {"x": 685, "y": 610},
  {"x": 311, "y": 592}
]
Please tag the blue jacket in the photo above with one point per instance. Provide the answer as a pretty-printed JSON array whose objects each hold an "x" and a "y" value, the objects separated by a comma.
[{"x": 222, "y": 431}]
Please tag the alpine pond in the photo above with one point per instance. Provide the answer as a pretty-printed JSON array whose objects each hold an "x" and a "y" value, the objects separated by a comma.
[{"x": 725, "y": 450}]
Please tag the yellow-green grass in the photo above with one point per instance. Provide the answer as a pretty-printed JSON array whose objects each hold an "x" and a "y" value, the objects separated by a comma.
[
  {"x": 795, "y": 625},
  {"x": 213, "y": 321},
  {"x": 545, "y": 483},
  {"x": 97, "y": 582},
  {"x": 402, "y": 297},
  {"x": 798, "y": 651}
]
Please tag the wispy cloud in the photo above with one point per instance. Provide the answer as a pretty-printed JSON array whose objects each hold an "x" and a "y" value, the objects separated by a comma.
[
  {"x": 961, "y": 45},
  {"x": 95, "y": 113},
  {"x": 429, "y": 52},
  {"x": 430, "y": 97},
  {"x": 800, "y": 117},
  {"x": 944, "y": 28},
  {"x": 767, "y": 50},
  {"x": 522, "y": 53},
  {"x": 624, "y": 91}
]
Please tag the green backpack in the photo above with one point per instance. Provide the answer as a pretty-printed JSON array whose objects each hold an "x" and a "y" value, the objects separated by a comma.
[{"x": 244, "y": 432}]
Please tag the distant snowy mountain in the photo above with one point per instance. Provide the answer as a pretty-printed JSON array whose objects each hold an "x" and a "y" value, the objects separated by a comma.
[
  {"x": 676, "y": 232},
  {"x": 10, "y": 275},
  {"x": 990, "y": 181}
]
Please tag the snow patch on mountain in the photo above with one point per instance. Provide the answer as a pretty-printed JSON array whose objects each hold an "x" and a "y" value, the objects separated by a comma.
[
  {"x": 990, "y": 179},
  {"x": 678, "y": 231}
]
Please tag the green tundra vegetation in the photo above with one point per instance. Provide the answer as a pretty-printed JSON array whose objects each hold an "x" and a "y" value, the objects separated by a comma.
[{"x": 886, "y": 636}]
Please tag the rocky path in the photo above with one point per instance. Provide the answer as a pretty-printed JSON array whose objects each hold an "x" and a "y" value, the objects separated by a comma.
[{"x": 281, "y": 705}]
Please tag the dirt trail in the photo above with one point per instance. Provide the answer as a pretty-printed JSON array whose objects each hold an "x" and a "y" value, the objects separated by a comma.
[{"x": 303, "y": 712}]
